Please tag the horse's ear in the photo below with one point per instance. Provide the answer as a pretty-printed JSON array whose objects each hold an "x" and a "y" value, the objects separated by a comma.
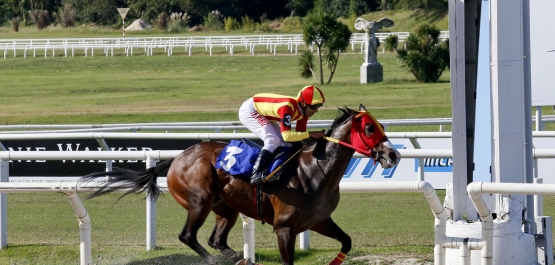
[
  {"x": 361, "y": 108},
  {"x": 350, "y": 111}
]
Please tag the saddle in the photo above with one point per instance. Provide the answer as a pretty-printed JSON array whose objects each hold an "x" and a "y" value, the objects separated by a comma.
[{"x": 238, "y": 158}]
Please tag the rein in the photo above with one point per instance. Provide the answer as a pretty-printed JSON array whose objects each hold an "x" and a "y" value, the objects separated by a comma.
[
  {"x": 282, "y": 165},
  {"x": 360, "y": 150}
]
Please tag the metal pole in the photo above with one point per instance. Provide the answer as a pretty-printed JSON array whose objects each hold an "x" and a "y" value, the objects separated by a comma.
[
  {"x": 248, "y": 237},
  {"x": 4, "y": 177},
  {"x": 150, "y": 213},
  {"x": 105, "y": 147},
  {"x": 84, "y": 227},
  {"x": 305, "y": 240},
  {"x": 421, "y": 169}
]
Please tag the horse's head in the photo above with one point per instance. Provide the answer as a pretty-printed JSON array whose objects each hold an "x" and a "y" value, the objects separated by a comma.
[{"x": 368, "y": 137}]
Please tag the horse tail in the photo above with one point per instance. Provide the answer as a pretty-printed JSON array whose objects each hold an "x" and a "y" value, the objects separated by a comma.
[{"x": 130, "y": 180}]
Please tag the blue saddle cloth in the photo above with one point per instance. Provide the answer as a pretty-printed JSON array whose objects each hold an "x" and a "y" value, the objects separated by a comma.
[{"x": 238, "y": 158}]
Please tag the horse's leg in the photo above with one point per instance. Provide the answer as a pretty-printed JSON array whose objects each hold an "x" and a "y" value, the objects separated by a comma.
[
  {"x": 286, "y": 243},
  {"x": 330, "y": 229},
  {"x": 196, "y": 216},
  {"x": 225, "y": 220}
]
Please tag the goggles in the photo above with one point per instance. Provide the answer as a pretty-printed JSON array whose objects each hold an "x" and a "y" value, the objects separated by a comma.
[{"x": 315, "y": 106}]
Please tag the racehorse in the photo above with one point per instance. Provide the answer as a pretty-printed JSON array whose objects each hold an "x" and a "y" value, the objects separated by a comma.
[{"x": 303, "y": 198}]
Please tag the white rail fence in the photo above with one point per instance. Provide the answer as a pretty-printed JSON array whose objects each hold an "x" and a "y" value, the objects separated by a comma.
[
  {"x": 213, "y": 126},
  {"x": 191, "y": 126},
  {"x": 107, "y": 46},
  {"x": 100, "y": 137},
  {"x": 71, "y": 190},
  {"x": 441, "y": 241}
]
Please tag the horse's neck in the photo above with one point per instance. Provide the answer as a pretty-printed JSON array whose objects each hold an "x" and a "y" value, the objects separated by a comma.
[
  {"x": 338, "y": 156},
  {"x": 328, "y": 172}
]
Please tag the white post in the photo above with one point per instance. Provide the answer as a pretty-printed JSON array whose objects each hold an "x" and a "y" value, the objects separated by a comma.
[
  {"x": 539, "y": 123},
  {"x": 305, "y": 240},
  {"x": 538, "y": 199},
  {"x": 416, "y": 145},
  {"x": 248, "y": 238},
  {"x": 4, "y": 177},
  {"x": 105, "y": 147},
  {"x": 84, "y": 228},
  {"x": 150, "y": 213}
]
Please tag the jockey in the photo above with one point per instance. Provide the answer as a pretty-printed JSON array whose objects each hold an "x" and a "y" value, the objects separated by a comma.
[{"x": 269, "y": 116}]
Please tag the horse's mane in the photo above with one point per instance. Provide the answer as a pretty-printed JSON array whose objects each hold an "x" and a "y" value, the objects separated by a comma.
[
  {"x": 319, "y": 150},
  {"x": 341, "y": 117}
]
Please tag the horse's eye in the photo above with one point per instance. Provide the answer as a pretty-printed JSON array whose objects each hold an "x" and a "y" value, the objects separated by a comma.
[{"x": 370, "y": 128}]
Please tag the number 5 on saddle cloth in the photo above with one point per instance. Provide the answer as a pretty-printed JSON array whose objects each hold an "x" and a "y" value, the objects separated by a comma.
[{"x": 237, "y": 159}]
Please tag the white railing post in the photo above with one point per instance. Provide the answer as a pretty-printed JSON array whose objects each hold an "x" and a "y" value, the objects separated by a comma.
[
  {"x": 539, "y": 122},
  {"x": 538, "y": 199},
  {"x": 248, "y": 238},
  {"x": 85, "y": 245},
  {"x": 4, "y": 177},
  {"x": 150, "y": 213},
  {"x": 305, "y": 240},
  {"x": 105, "y": 147},
  {"x": 421, "y": 168}
]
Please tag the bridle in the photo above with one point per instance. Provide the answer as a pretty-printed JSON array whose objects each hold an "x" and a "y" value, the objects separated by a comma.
[{"x": 359, "y": 141}]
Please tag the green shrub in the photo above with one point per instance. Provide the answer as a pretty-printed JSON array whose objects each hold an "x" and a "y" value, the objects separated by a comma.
[
  {"x": 391, "y": 43},
  {"x": 180, "y": 18},
  {"x": 425, "y": 55},
  {"x": 248, "y": 23},
  {"x": 174, "y": 27},
  {"x": 15, "y": 24},
  {"x": 162, "y": 21},
  {"x": 40, "y": 17},
  {"x": 213, "y": 20},
  {"x": 264, "y": 27},
  {"x": 67, "y": 16},
  {"x": 292, "y": 24},
  {"x": 231, "y": 24},
  {"x": 351, "y": 23}
]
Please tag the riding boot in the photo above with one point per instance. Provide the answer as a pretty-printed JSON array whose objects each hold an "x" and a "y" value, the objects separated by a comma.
[{"x": 259, "y": 166}]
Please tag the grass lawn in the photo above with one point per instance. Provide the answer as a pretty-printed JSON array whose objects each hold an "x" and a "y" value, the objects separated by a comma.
[
  {"x": 42, "y": 229},
  {"x": 160, "y": 88}
]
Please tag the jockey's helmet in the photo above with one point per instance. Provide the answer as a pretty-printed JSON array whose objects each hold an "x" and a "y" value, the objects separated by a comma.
[{"x": 312, "y": 96}]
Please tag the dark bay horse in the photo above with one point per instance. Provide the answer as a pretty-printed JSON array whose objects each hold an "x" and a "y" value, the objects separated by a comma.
[{"x": 302, "y": 199}]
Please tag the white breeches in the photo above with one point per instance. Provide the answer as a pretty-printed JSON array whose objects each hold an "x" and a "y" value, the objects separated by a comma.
[{"x": 267, "y": 131}]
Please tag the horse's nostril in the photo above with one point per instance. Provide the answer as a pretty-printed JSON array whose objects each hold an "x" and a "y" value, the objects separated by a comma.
[{"x": 393, "y": 156}]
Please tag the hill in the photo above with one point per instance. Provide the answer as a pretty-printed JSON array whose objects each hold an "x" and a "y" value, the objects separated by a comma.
[
  {"x": 405, "y": 21},
  {"x": 408, "y": 20}
]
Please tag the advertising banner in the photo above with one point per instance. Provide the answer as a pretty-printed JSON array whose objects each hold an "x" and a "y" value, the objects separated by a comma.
[{"x": 438, "y": 171}]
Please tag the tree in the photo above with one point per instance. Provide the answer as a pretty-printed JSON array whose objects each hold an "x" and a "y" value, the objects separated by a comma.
[
  {"x": 300, "y": 7},
  {"x": 358, "y": 7},
  {"x": 415, "y": 4},
  {"x": 425, "y": 56},
  {"x": 100, "y": 12},
  {"x": 330, "y": 37}
]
